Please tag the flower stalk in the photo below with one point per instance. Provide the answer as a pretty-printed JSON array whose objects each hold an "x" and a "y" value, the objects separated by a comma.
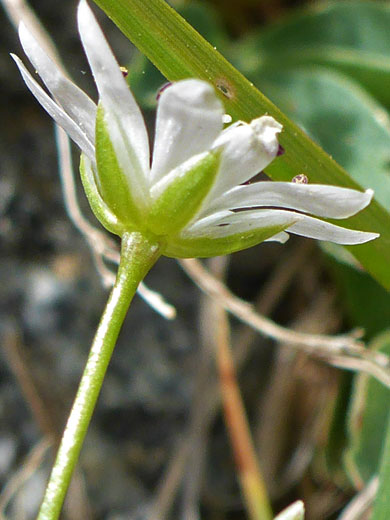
[{"x": 138, "y": 255}]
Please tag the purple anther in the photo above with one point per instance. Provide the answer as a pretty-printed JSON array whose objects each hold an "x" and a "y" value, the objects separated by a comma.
[
  {"x": 124, "y": 71},
  {"x": 161, "y": 90},
  {"x": 280, "y": 151}
]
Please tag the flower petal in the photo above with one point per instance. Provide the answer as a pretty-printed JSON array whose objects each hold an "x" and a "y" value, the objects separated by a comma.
[
  {"x": 314, "y": 228},
  {"x": 320, "y": 200},
  {"x": 123, "y": 117},
  {"x": 56, "y": 112},
  {"x": 227, "y": 223},
  {"x": 224, "y": 223},
  {"x": 247, "y": 150},
  {"x": 73, "y": 100},
  {"x": 281, "y": 237},
  {"x": 189, "y": 118}
]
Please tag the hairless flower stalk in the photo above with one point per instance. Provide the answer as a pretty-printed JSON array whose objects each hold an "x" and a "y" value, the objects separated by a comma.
[{"x": 191, "y": 201}]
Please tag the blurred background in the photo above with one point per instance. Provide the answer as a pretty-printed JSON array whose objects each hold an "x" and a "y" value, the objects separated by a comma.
[{"x": 318, "y": 430}]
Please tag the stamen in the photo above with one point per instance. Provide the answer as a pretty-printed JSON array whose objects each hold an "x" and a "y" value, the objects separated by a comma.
[
  {"x": 124, "y": 71},
  {"x": 300, "y": 179},
  {"x": 161, "y": 90}
]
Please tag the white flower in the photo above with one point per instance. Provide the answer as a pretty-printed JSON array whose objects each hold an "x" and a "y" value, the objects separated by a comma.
[
  {"x": 295, "y": 511},
  {"x": 192, "y": 198}
]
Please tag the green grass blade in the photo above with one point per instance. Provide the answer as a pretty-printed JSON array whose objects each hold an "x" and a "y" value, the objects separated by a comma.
[
  {"x": 180, "y": 52},
  {"x": 382, "y": 502}
]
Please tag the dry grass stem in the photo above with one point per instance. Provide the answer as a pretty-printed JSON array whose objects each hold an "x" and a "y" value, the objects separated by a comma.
[
  {"x": 18, "y": 365},
  {"x": 19, "y": 10},
  {"x": 343, "y": 351},
  {"x": 280, "y": 398},
  {"x": 360, "y": 505},
  {"x": 77, "y": 503},
  {"x": 170, "y": 481},
  {"x": 197, "y": 436},
  {"x": 251, "y": 480},
  {"x": 30, "y": 465}
]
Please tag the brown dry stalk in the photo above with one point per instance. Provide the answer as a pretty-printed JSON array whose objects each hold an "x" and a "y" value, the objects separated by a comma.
[{"x": 250, "y": 476}]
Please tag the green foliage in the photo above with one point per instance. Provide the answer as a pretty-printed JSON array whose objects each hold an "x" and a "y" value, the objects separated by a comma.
[
  {"x": 382, "y": 502},
  {"x": 365, "y": 303},
  {"x": 146, "y": 79},
  {"x": 352, "y": 37},
  {"x": 367, "y": 420},
  {"x": 337, "y": 438},
  {"x": 360, "y": 431}
]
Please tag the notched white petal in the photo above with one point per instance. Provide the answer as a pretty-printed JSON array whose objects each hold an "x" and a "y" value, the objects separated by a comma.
[
  {"x": 72, "y": 99},
  {"x": 320, "y": 200},
  {"x": 56, "y": 112},
  {"x": 115, "y": 95},
  {"x": 314, "y": 228},
  {"x": 246, "y": 150},
  {"x": 189, "y": 118},
  {"x": 266, "y": 129}
]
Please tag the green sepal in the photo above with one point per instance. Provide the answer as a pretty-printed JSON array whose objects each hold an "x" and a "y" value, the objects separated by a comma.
[
  {"x": 99, "y": 208},
  {"x": 183, "y": 196},
  {"x": 208, "y": 247},
  {"x": 113, "y": 184}
]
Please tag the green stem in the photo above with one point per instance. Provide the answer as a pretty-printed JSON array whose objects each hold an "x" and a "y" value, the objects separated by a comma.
[
  {"x": 138, "y": 255},
  {"x": 382, "y": 502}
]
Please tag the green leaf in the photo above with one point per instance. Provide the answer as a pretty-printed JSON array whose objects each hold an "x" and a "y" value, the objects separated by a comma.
[
  {"x": 356, "y": 288},
  {"x": 336, "y": 440},
  {"x": 180, "y": 52},
  {"x": 382, "y": 502},
  {"x": 352, "y": 37},
  {"x": 146, "y": 80},
  {"x": 370, "y": 405}
]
